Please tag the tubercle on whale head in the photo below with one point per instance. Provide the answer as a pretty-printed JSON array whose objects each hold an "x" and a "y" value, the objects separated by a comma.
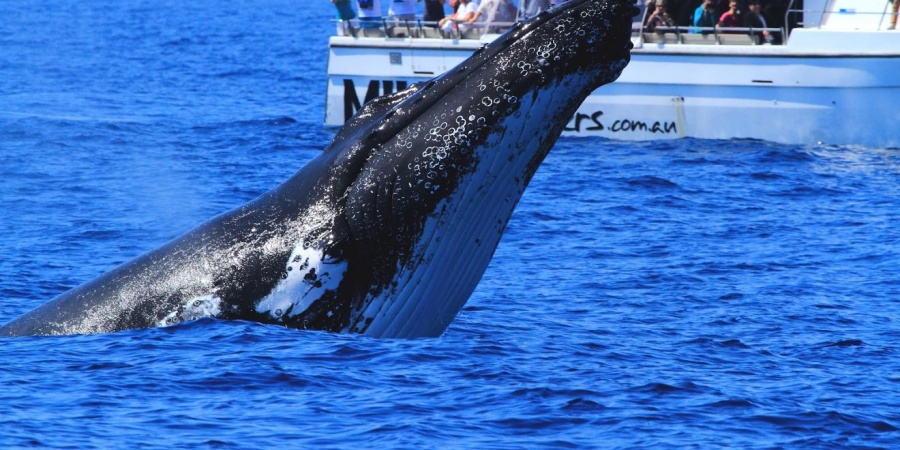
[{"x": 588, "y": 36}]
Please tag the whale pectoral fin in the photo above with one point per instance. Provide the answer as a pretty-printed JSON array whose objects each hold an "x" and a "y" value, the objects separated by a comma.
[{"x": 372, "y": 113}]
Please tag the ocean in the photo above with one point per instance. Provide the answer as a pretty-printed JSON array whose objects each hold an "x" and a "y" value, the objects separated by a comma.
[{"x": 686, "y": 294}]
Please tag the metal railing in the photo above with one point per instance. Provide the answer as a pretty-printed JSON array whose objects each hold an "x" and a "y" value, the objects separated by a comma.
[
  {"x": 711, "y": 35},
  {"x": 692, "y": 35},
  {"x": 793, "y": 18},
  {"x": 418, "y": 29}
]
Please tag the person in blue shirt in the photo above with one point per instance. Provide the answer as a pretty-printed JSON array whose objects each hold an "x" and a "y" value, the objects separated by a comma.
[
  {"x": 705, "y": 15},
  {"x": 343, "y": 14}
]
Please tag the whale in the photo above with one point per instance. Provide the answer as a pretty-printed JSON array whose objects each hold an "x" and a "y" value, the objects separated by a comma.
[{"x": 387, "y": 231}]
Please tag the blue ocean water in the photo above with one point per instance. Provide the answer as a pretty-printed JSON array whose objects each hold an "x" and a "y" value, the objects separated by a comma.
[{"x": 680, "y": 294}]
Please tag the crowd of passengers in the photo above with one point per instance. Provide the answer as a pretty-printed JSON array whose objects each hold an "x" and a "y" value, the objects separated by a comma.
[
  {"x": 690, "y": 15},
  {"x": 495, "y": 16}
]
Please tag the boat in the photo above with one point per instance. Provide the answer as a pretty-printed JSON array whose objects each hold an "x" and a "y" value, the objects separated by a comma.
[{"x": 830, "y": 76}]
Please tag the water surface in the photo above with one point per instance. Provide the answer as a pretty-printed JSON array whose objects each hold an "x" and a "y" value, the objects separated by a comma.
[{"x": 682, "y": 294}]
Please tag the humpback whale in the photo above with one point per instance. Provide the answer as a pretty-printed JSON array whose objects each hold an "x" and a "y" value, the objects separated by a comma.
[{"x": 388, "y": 231}]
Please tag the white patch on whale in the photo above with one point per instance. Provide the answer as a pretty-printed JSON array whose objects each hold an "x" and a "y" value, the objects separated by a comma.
[
  {"x": 310, "y": 274},
  {"x": 194, "y": 308}
]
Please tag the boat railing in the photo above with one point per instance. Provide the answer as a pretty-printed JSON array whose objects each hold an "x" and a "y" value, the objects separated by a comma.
[
  {"x": 418, "y": 29},
  {"x": 691, "y": 35},
  {"x": 711, "y": 35}
]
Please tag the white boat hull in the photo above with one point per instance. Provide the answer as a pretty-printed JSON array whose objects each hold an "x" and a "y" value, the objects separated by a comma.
[{"x": 797, "y": 93}]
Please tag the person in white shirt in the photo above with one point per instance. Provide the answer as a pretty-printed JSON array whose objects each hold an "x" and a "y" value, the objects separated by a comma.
[
  {"x": 495, "y": 12},
  {"x": 531, "y": 8},
  {"x": 369, "y": 13},
  {"x": 467, "y": 9}
]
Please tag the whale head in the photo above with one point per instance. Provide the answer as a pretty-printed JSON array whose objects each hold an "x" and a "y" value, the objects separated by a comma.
[{"x": 429, "y": 177}]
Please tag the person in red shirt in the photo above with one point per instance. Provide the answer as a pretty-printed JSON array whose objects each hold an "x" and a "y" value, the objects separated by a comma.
[{"x": 730, "y": 18}]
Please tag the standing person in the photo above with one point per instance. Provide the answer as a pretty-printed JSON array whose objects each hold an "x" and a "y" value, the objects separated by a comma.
[
  {"x": 402, "y": 10},
  {"x": 705, "y": 15},
  {"x": 895, "y": 6},
  {"x": 681, "y": 11},
  {"x": 369, "y": 13},
  {"x": 500, "y": 12},
  {"x": 460, "y": 18},
  {"x": 434, "y": 11},
  {"x": 731, "y": 18},
  {"x": 343, "y": 14},
  {"x": 755, "y": 19},
  {"x": 531, "y": 8},
  {"x": 659, "y": 17}
]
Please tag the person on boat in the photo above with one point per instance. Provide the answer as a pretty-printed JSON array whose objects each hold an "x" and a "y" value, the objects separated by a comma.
[
  {"x": 895, "y": 6},
  {"x": 705, "y": 15},
  {"x": 369, "y": 13},
  {"x": 682, "y": 11},
  {"x": 461, "y": 17},
  {"x": 500, "y": 12},
  {"x": 434, "y": 12},
  {"x": 343, "y": 15},
  {"x": 659, "y": 17},
  {"x": 402, "y": 11},
  {"x": 731, "y": 18},
  {"x": 755, "y": 19},
  {"x": 531, "y": 8}
]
